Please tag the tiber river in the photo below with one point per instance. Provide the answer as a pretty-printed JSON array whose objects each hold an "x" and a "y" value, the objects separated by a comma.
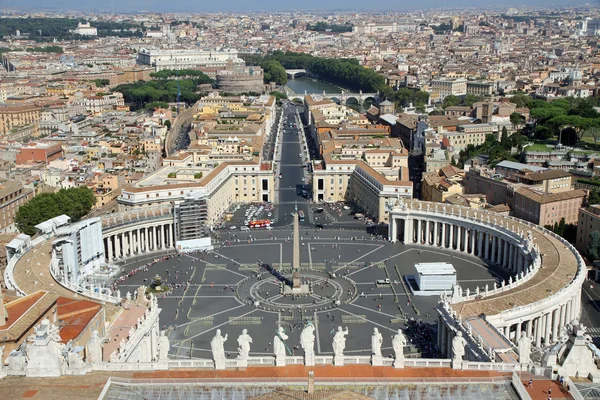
[{"x": 299, "y": 85}]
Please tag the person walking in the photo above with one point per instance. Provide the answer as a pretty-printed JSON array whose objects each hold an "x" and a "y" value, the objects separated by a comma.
[{"x": 530, "y": 385}]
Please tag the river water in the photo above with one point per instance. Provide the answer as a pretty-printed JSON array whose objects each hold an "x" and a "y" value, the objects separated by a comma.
[{"x": 302, "y": 84}]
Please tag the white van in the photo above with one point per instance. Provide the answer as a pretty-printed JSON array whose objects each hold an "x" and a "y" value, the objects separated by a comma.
[{"x": 244, "y": 228}]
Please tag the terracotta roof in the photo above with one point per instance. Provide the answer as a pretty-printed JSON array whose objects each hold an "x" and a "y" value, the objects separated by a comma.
[
  {"x": 547, "y": 174},
  {"x": 74, "y": 316},
  {"x": 544, "y": 198},
  {"x": 24, "y": 312}
]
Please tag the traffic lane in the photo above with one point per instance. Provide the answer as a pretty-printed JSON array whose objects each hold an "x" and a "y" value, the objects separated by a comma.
[{"x": 590, "y": 304}]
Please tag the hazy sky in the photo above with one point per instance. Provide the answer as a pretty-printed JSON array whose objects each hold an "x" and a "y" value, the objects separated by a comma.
[{"x": 262, "y": 5}]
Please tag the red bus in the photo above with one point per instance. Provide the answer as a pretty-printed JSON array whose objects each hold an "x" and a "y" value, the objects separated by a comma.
[{"x": 259, "y": 223}]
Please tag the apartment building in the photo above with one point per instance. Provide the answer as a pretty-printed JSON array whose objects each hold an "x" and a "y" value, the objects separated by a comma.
[
  {"x": 480, "y": 88},
  {"x": 12, "y": 196},
  {"x": 448, "y": 87},
  {"x": 19, "y": 115}
]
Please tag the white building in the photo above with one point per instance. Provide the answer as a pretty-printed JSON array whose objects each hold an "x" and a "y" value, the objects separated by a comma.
[
  {"x": 182, "y": 59},
  {"x": 78, "y": 249},
  {"x": 86, "y": 29}
]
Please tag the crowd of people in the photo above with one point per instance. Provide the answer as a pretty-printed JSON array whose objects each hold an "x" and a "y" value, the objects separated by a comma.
[{"x": 422, "y": 336}]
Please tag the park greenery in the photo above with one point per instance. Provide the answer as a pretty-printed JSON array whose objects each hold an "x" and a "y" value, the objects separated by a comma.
[
  {"x": 163, "y": 88},
  {"x": 567, "y": 118},
  {"x": 46, "y": 49},
  {"x": 48, "y": 29},
  {"x": 344, "y": 72},
  {"x": 496, "y": 150},
  {"x": 74, "y": 202},
  {"x": 327, "y": 27}
]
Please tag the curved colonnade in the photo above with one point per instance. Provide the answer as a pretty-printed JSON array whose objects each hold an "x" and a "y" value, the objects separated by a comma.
[
  {"x": 544, "y": 292},
  {"x": 134, "y": 233}
]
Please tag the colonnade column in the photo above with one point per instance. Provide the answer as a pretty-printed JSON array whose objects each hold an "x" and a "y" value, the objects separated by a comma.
[
  {"x": 548, "y": 328},
  {"x": 408, "y": 231},
  {"x": 109, "y": 249},
  {"x": 479, "y": 244},
  {"x": 451, "y": 242},
  {"x": 511, "y": 257},
  {"x": 419, "y": 231},
  {"x": 487, "y": 247},
  {"x": 538, "y": 331},
  {"x": 555, "y": 323},
  {"x": 443, "y": 234}
]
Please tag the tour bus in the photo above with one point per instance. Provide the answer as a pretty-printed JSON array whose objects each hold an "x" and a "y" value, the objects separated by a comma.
[
  {"x": 301, "y": 215},
  {"x": 259, "y": 223}
]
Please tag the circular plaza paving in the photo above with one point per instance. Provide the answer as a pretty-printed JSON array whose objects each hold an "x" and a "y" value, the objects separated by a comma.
[{"x": 239, "y": 286}]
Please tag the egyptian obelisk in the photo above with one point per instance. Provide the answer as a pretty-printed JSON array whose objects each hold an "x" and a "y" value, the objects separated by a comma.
[{"x": 296, "y": 255}]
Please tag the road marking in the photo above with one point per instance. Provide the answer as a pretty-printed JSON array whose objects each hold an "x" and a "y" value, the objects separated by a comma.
[
  {"x": 212, "y": 315},
  {"x": 368, "y": 320},
  {"x": 218, "y": 326},
  {"x": 356, "y": 259},
  {"x": 376, "y": 312}
]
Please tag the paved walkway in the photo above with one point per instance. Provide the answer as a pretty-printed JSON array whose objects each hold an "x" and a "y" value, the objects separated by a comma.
[
  {"x": 32, "y": 273},
  {"x": 540, "y": 390}
]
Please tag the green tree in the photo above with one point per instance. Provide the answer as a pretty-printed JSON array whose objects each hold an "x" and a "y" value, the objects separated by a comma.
[
  {"x": 101, "y": 82},
  {"x": 593, "y": 248},
  {"x": 167, "y": 123},
  {"x": 471, "y": 99},
  {"x": 450, "y": 101},
  {"x": 504, "y": 138},
  {"x": 516, "y": 119},
  {"x": 74, "y": 202},
  {"x": 594, "y": 197}
]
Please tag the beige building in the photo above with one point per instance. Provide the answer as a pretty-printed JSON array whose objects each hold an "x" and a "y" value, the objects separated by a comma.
[
  {"x": 547, "y": 208},
  {"x": 438, "y": 188},
  {"x": 357, "y": 183},
  {"x": 589, "y": 221},
  {"x": 480, "y": 88},
  {"x": 14, "y": 116},
  {"x": 448, "y": 87},
  {"x": 230, "y": 182}
]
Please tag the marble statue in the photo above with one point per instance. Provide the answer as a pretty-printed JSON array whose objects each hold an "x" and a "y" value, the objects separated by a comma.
[
  {"x": 398, "y": 343},
  {"x": 244, "y": 341},
  {"x": 458, "y": 349},
  {"x": 307, "y": 339},
  {"x": 114, "y": 356},
  {"x": 376, "y": 341},
  {"x": 163, "y": 347},
  {"x": 218, "y": 351},
  {"x": 279, "y": 346},
  {"x": 339, "y": 341},
  {"x": 94, "y": 348},
  {"x": 524, "y": 347}
]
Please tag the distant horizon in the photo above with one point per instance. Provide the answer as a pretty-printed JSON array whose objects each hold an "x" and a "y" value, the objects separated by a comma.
[{"x": 266, "y": 6}]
